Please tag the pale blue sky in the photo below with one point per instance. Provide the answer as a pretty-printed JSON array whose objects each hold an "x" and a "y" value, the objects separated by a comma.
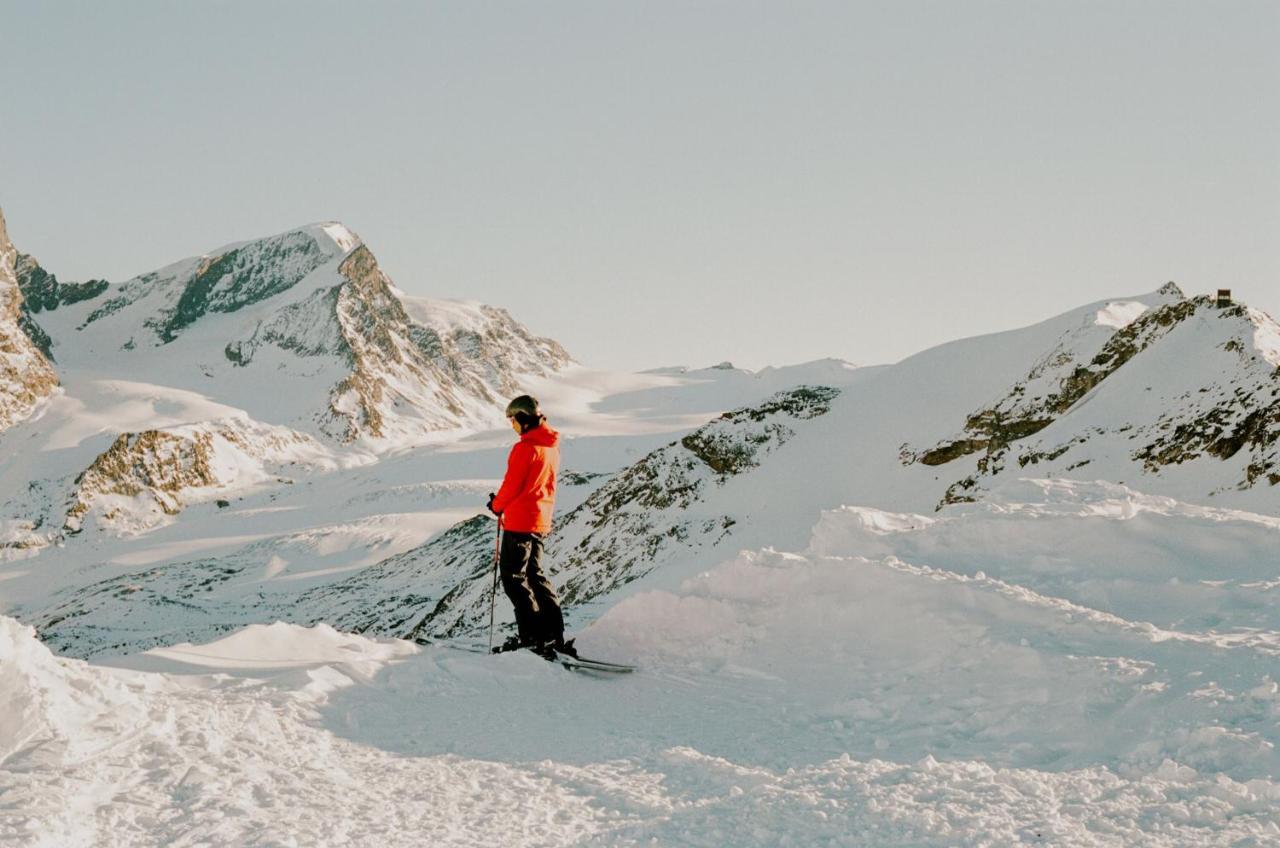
[{"x": 658, "y": 183}]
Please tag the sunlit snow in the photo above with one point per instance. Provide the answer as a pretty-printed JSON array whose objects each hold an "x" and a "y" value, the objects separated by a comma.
[
  {"x": 1120, "y": 314},
  {"x": 1082, "y": 650}
]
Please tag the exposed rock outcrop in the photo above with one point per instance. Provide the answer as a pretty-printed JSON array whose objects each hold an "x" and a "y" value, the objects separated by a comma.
[
  {"x": 26, "y": 376},
  {"x": 147, "y": 476}
]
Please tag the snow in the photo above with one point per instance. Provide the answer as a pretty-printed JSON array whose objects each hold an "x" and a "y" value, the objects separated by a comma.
[
  {"x": 342, "y": 237},
  {"x": 274, "y": 646},
  {"x": 101, "y": 406},
  {"x": 988, "y": 676},
  {"x": 1266, "y": 338},
  {"x": 1084, "y": 656},
  {"x": 1120, "y": 314}
]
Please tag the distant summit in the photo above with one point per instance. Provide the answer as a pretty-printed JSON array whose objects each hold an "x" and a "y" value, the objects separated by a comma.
[
  {"x": 309, "y": 303},
  {"x": 235, "y": 369},
  {"x": 1161, "y": 381}
]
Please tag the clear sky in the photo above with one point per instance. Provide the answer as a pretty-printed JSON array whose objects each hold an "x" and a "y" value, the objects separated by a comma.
[{"x": 660, "y": 183}]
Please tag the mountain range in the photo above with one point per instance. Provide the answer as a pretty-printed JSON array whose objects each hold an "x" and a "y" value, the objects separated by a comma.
[{"x": 273, "y": 430}]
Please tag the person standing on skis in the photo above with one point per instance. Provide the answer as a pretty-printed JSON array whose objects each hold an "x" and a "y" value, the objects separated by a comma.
[{"x": 524, "y": 504}]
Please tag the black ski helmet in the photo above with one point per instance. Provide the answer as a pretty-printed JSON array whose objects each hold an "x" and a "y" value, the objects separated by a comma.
[{"x": 526, "y": 404}]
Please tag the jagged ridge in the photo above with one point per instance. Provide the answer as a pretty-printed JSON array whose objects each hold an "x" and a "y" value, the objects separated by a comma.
[{"x": 1216, "y": 412}]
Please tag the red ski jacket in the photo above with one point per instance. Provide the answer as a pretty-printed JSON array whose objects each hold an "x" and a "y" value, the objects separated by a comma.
[{"x": 528, "y": 494}]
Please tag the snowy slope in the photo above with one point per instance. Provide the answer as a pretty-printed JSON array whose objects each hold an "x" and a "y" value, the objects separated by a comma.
[
  {"x": 1156, "y": 384},
  {"x": 890, "y": 683},
  {"x": 389, "y": 571},
  {"x": 665, "y": 513},
  {"x": 1016, "y": 589}
]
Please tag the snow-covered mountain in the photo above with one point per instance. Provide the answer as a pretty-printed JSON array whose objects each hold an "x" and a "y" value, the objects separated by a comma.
[
  {"x": 1160, "y": 381},
  {"x": 1018, "y": 588},
  {"x": 349, "y": 356},
  {"x": 226, "y": 372}
]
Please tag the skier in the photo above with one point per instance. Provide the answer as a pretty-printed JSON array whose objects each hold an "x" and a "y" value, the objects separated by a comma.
[{"x": 524, "y": 504}]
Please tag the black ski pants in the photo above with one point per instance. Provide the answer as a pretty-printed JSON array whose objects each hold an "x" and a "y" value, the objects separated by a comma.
[{"x": 538, "y": 616}]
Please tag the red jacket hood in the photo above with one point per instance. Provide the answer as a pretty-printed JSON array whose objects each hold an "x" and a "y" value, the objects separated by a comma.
[{"x": 542, "y": 436}]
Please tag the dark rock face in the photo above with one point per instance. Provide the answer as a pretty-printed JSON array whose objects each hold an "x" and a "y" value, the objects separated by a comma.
[
  {"x": 42, "y": 290},
  {"x": 124, "y": 295},
  {"x": 36, "y": 334},
  {"x": 728, "y": 452},
  {"x": 1247, "y": 422},
  {"x": 421, "y": 592},
  {"x": 239, "y": 277}
]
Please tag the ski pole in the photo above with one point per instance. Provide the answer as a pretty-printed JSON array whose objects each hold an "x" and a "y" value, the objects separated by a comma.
[{"x": 493, "y": 594}]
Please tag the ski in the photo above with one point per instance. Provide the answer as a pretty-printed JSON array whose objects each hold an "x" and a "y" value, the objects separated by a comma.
[
  {"x": 570, "y": 662},
  {"x": 586, "y": 664}
]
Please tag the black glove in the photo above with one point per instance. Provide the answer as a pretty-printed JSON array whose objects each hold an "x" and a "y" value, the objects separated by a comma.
[{"x": 493, "y": 495}]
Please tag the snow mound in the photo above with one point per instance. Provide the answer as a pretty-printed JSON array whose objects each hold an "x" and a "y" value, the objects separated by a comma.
[
  {"x": 1000, "y": 631},
  {"x": 53, "y": 709},
  {"x": 281, "y": 645},
  {"x": 1120, "y": 314}
]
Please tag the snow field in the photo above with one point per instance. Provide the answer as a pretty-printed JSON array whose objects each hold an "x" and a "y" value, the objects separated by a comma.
[
  {"x": 129, "y": 758},
  {"x": 904, "y": 681}
]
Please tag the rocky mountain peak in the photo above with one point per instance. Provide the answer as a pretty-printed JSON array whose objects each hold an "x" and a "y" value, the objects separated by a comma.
[
  {"x": 26, "y": 377},
  {"x": 1183, "y": 381},
  {"x": 311, "y": 308}
]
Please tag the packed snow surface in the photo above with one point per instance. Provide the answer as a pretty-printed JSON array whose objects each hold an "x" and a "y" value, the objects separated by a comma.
[{"x": 1071, "y": 664}]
